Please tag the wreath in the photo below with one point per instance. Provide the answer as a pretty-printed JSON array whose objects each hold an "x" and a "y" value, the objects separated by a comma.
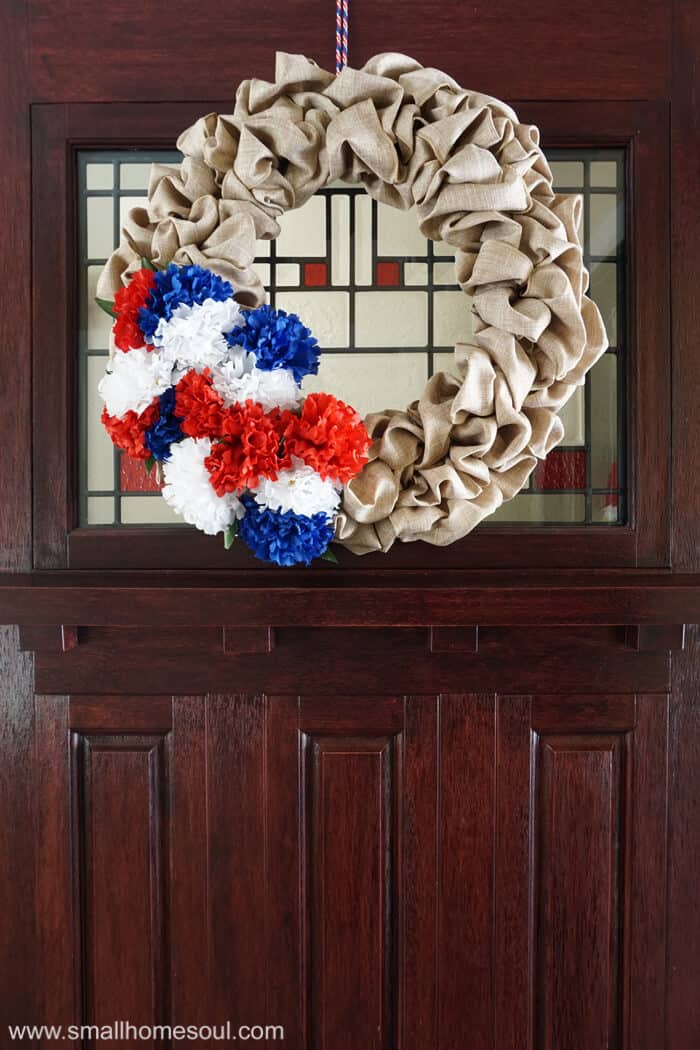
[{"x": 478, "y": 181}]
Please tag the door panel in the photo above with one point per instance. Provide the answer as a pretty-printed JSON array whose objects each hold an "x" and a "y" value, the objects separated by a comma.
[
  {"x": 119, "y": 793},
  {"x": 461, "y": 870}
]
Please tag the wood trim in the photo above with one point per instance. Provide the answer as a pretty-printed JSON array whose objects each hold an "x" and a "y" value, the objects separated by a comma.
[
  {"x": 20, "y": 849},
  {"x": 486, "y": 599},
  {"x": 683, "y": 948},
  {"x": 60, "y": 130},
  {"x": 486, "y": 547},
  {"x": 553, "y": 51}
]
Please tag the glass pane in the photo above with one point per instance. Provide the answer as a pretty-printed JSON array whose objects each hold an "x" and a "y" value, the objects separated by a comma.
[
  {"x": 109, "y": 184},
  {"x": 588, "y": 468},
  {"x": 384, "y": 304}
]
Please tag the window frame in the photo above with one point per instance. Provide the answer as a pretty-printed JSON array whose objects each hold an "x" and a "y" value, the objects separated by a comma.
[{"x": 60, "y": 131}]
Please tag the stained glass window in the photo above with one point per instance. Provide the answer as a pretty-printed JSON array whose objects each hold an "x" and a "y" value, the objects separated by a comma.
[{"x": 384, "y": 305}]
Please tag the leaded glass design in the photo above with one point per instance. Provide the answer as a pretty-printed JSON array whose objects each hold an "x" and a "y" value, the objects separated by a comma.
[{"x": 383, "y": 303}]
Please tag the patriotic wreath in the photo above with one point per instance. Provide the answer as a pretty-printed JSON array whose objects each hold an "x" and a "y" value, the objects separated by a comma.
[
  {"x": 479, "y": 182},
  {"x": 210, "y": 396}
]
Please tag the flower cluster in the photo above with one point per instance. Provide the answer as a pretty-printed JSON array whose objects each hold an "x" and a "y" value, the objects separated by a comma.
[{"x": 212, "y": 394}]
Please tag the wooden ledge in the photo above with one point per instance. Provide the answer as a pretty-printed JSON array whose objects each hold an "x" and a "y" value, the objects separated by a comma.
[{"x": 328, "y": 599}]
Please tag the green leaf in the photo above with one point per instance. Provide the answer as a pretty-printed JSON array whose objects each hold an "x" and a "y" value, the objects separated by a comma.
[
  {"x": 147, "y": 264},
  {"x": 328, "y": 555},
  {"x": 230, "y": 535},
  {"x": 104, "y": 304},
  {"x": 149, "y": 464}
]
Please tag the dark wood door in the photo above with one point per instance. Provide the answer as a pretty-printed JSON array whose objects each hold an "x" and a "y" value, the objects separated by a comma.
[
  {"x": 453, "y": 802},
  {"x": 461, "y": 870}
]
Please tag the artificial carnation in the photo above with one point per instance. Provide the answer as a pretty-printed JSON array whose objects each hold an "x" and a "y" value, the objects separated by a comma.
[
  {"x": 199, "y": 405},
  {"x": 128, "y": 301},
  {"x": 188, "y": 490},
  {"x": 248, "y": 451},
  {"x": 129, "y": 431},
  {"x": 133, "y": 380},
  {"x": 329, "y": 436},
  {"x": 238, "y": 380},
  {"x": 215, "y": 396},
  {"x": 195, "y": 335},
  {"x": 299, "y": 489},
  {"x": 278, "y": 340},
  {"x": 178, "y": 285},
  {"x": 166, "y": 430},
  {"x": 283, "y": 537}
]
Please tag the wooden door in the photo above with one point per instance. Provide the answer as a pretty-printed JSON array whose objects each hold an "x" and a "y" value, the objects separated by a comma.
[
  {"x": 442, "y": 798},
  {"x": 379, "y": 871}
]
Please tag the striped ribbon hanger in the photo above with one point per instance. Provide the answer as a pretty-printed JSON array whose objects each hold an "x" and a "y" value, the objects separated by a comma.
[{"x": 341, "y": 35}]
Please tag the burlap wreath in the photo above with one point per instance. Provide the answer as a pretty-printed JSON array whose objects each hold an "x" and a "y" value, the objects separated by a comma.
[{"x": 480, "y": 182}]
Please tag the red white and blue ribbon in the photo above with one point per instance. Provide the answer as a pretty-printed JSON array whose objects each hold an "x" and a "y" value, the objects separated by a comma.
[{"x": 341, "y": 35}]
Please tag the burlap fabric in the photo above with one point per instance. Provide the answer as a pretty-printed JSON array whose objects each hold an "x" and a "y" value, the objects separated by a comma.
[{"x": 479, "y": 181}]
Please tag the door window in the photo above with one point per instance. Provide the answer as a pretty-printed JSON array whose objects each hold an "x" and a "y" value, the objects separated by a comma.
[{"x": 384, "y": 305}]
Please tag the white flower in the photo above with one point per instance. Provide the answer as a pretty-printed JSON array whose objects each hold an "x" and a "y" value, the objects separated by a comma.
[
  {"x": 239, "y": 380},
  {"x": 300, "y": 489},
  {"x": 195, "y": 336},
  {"x": 134, "y": 380},
  {"x": 188, "y": 489}
]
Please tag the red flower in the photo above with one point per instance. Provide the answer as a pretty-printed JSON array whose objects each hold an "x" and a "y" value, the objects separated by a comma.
[
  {"x": 129, "y": 432},
  {"x": 127, "y": 303},
  {"x": 198, "y": 404},
  {"x": 328, "y": 435},
  {"x": 249, "y": 451}
]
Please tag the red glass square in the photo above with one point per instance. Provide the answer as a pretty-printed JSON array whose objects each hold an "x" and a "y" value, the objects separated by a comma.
[
  {"x": 133, "y": 476},
  {"x": 613, "y": 482},
  {"x": 562, "y": 470},
  {"x": 388, "y": 274},
  {"x": 315, "y": 275}
]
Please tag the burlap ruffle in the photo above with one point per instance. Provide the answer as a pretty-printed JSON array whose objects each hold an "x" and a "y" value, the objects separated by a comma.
[{"x": 480, "y": 182}]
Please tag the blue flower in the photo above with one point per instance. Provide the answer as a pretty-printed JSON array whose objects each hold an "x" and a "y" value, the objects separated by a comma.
[
  {"x": 284, "y": 537},
  {"x": 278, "y": 340},
  {"x": 166, "y": 429},
  {"x": 176, "y": 285}
]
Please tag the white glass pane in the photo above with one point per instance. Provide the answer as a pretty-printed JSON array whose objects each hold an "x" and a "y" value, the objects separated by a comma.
[
  {"x": 603, "y": 209},
  {"x": 452, "y": 318},
  {"x": 134, "y": 176},
  {"x": 444, "y": 273},
  {"x": 567, "y": 174},
  {"x": 100, "y": 451},
  {"x": 603, "y": 436},
  {"x": 391, "y": 319},
  {"x": 100, "y": 227},
  {"x": 99, "y": 176},
  {"x": 552, "y": 508},
  {"x": 573, "y": 416},
  {"x": 100, "y": 510},
  {"x": 363, "y": 240},
  {"x": 604, "y": 173},
  {"x": 288, "y": 273},
  {"x": 147, "y": 510},
  {"x": 604, "y": 292},
  {"x": 340, "y": 239},
  {"x": 303, "y": 230},
  {"x": 415, "y": 273},
  {"x": 99, "y": 324},
  {"x": 398, "y": 232},
  {"x": 371, "y": 382},
  {"x": 325, "y": 313}
]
